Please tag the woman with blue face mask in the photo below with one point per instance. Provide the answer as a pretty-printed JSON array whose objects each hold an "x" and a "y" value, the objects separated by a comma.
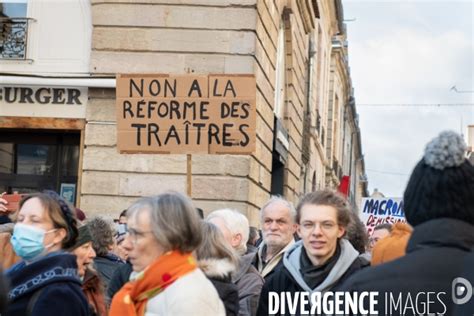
[{"x": 46, "y": 281}]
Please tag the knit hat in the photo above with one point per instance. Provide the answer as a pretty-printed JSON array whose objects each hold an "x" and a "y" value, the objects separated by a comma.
[
  {"x": 392, "y": 246},
  {"x": 442, "y": 183},
  {"x": 80, "y": 215},
  {"x": 84, "y": 237}
]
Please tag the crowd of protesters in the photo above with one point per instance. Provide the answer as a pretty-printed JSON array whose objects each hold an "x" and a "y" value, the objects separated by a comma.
[{"x": 163, "y": 257}]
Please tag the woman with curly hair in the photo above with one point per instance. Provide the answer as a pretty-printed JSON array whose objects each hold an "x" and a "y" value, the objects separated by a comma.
[{"x": 103, "y": 242}]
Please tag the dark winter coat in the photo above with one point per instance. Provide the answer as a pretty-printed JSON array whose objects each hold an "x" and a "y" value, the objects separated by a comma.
[
  {"x": 219, "y": 272},
  {"x": 288, "y": 278},
  {"x": 48, "y": 286},
  {"x": 249, "y": 283},
  {"x": 468, "y": 274},
  {"x": 3, "y": 292},
  {"x": 436, "y": 255},
  {"x": 106, "y": 266},
  {"x": 119, "y": 278}
]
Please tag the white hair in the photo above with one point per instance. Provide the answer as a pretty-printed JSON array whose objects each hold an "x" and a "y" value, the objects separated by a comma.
[
  {"x": 237, "y": 223},
  {"x": 278, "y": 199}
]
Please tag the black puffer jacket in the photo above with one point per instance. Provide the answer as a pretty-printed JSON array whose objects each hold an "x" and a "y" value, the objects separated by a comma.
[
  {"x": 436, "y": 255},
  {"x": 119, "y": 278},
  {"x": 468, "y": 273},
  {"x": 219, "y": 272},
  {"x": 106, "y": 266}
]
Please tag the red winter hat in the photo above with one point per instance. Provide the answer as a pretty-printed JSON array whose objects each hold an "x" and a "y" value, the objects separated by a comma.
[{"x": 80, "y": 215}]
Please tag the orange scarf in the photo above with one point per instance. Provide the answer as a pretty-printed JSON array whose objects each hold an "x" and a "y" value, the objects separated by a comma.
[{"x": 134, "y": 295}]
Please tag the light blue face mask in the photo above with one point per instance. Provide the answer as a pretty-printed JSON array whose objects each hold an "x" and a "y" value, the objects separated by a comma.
[{"x": 27, "y": 241}]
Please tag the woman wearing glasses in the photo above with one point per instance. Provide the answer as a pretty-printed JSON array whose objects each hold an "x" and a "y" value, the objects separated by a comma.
[{"x": 163, "y": 231}]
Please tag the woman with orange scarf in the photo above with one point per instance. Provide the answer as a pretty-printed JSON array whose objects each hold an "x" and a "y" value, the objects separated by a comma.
[{"x": 162, "y": 233}]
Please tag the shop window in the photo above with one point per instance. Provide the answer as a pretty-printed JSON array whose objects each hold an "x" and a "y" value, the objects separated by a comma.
[
  {"x": 32, "y": 161},
  {"x": 36, "y": 159}
]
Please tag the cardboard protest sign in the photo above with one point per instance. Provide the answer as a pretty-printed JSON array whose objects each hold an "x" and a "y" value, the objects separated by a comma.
[
  {"x": 376, "y": 211},
  {"x": 185, "y": 114}
]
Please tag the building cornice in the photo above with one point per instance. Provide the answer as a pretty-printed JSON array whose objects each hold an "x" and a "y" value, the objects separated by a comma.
[{"x": 89, "y": 82}]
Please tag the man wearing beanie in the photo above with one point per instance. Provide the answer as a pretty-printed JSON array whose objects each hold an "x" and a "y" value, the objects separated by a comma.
[{"x": 439, "y": 204}]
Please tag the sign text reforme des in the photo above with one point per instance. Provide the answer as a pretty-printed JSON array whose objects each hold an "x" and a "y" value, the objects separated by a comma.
[{"x": 186, "y": 114}]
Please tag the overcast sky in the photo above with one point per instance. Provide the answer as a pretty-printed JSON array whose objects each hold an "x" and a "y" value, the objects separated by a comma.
[{"x": 409, "y": 52}]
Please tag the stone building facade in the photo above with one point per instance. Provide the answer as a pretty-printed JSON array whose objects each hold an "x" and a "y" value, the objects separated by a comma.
[
  {"x": 304, "y": 93},
  {"x": 44, "y": 83},
  {"x": 344, "y": 148}
]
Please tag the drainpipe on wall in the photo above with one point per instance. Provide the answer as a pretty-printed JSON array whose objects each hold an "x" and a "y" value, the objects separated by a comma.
[{"x": 307, "y": 118}]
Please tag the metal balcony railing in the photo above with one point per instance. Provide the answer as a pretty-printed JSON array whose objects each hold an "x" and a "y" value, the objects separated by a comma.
[{"x": 14, "y": 38}]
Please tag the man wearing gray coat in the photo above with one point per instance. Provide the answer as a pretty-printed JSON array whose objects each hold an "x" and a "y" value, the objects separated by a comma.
[{"x": 235, "y": 228}]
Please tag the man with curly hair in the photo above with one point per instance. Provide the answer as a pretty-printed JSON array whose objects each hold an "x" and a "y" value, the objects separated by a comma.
[{"x": 103, "y": 242}]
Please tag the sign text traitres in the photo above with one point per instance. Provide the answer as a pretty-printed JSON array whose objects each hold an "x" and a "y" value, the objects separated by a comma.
[{"x": 186, "y": 114}]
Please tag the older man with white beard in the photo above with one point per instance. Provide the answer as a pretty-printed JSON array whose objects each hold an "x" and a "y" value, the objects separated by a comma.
[{"x": 278, "y": 228}]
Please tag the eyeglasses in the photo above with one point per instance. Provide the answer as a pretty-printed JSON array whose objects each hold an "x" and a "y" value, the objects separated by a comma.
[
  {"x": 135, "y": 234},
  {"x": 308, "y": 227}
]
